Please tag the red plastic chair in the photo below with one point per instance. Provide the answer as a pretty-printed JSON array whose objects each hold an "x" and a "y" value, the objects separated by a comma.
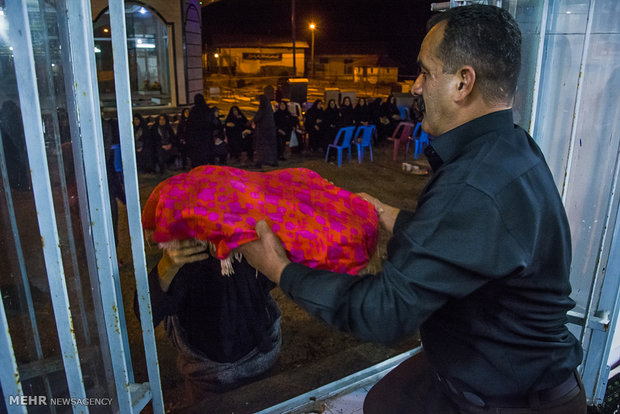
[{"x": 401, "y": 134}]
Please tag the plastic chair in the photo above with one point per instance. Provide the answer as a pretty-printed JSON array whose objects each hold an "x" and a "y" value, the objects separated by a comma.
[
  {"x": 401, "y": 134},
  {"x": 367, "y": 132},
  {"x": 345, "y": 143},
  {"x": 118, "y": 161},
  {"x": 419, "y": 140},
  {"x": 404, "y": 113}
]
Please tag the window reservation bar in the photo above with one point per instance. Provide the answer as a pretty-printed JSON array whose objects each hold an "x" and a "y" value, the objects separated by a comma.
[
  {"x": 132, "y": 194},
  {"x": 33, "y": 131},
  {"x": 86, "y": 97}
]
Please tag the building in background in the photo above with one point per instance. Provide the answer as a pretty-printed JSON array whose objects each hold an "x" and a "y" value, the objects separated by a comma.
[
  {"x": 375, "y": 69},
  {"x": 165, "y": 52},
  {"x": 251, "y": 55},
  {"x": 339, "y": 60}
]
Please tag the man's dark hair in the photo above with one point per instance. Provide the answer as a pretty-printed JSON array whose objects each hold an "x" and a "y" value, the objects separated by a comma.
[{"x": 486, "y": 38}]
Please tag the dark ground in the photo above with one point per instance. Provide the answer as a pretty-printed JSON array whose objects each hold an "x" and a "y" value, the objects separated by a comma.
[{"x": 313, "y": 354}]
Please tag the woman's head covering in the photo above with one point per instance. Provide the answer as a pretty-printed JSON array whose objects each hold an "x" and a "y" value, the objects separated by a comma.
[{"x": 199, "y": 100}]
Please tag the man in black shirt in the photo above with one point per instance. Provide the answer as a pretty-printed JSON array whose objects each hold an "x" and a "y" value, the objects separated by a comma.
[{"x": 482, "y": 266}]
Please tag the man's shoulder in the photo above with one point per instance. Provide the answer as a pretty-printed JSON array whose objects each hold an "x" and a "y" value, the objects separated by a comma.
[{"x": 502, "y": 158}]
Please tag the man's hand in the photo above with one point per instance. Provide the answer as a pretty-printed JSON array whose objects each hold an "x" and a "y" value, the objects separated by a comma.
[
  {"x": 267, "y": 255},
  {"x": 387, "y": 214},
  {"x": 173, "y": 259}
]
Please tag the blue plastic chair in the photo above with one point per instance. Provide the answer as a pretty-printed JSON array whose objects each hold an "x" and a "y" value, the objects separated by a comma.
[
  {"x": 366, "y": 132},
  {"x": 404, "y": 113},
  {"x": 420, "y": 139},
  {"x": 341, "y": 142},
  {"x": 118, "y": 161}
]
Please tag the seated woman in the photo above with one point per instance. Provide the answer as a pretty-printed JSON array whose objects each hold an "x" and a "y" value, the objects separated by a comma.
[
  {"x": 313, "y": 124},
  {"x": 285, "y": 122},
  {"x": 345, "y": 116},
  {"x": 389, "y": 117},
  {"x": 226, "y": 329},
  {"x": 145, "y": 147},
  {"x": 332, "y": 114},
  {"x": 361, "y": 113},
  {"x": 165, "y": 140},
  {"x": 220, "y": 149}
]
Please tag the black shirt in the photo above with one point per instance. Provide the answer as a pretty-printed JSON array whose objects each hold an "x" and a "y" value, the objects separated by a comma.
[
  {"x": 223, "y": 317},
  {"x": 481, "y": 268}
]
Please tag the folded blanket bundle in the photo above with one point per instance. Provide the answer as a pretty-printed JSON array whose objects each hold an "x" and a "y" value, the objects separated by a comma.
[{"x": 321, "y": 226}]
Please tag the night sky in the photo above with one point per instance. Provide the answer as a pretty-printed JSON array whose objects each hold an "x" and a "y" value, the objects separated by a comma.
[{"x": 400, "y": 23}]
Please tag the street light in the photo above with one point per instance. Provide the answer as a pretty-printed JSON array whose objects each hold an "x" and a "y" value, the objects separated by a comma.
[
  {"x": 312, "y": 27},
  {"x": 217, "y": 56}
]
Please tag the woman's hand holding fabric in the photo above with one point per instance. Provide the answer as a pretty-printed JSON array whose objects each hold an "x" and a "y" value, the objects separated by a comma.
[{"x": 174, "y": 258}]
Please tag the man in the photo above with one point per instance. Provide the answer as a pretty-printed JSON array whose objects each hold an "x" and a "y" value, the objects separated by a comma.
[{"x": 482, "y": 266}]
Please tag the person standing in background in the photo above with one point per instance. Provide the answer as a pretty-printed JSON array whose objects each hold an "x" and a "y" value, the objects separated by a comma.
[
  {"x": 265, "y": 134},
  {"x": 200, "y": 142}
]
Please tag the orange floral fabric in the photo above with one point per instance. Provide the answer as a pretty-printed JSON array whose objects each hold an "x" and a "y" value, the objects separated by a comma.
[{"x": 321, "y": 225}]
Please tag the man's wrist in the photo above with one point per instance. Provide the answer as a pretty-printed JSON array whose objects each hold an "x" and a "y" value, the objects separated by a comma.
[{"x": 279, "y": 270}]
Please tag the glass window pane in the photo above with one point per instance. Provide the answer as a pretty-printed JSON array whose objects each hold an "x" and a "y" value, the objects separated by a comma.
[
  {"x": 148, "y": 48},
  {"x": 527, "y": 13},
  {"x": 594, "y": 158},
  {"x": 31, "y": 316}
]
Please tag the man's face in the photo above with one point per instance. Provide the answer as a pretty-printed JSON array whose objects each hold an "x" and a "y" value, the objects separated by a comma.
[{"x": 433, "y": 85}]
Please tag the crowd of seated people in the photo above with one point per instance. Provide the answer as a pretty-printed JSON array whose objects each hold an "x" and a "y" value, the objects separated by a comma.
[
  {"x": 322, "y": 122},
  {"x": 195, "y": 137},
  {"x": 199, "y": 135}
]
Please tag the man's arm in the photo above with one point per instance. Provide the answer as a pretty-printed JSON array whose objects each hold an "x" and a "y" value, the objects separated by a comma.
[{"x": 428, "y": 263}]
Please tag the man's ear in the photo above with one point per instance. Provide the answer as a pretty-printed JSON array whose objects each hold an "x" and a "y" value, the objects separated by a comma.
[{"x": 465, "y": 80}]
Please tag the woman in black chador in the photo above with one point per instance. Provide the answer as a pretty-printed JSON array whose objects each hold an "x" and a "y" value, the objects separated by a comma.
[
  {"x": 145, "y": 148},
  {"x": 389, "y": 117},
  {"x": 330, "y": 123},
  {"x": 346, "y": 113},
  {"x": 313, "y": 124},
  {"x": 285, "y": 122},
  {"x": 239, "y": 134},
  {"x": 220, "y": 148},
  {"x": 182, "y": 138},
  {"x": 226, "y": 329},
  {"x": 165, "y": 141},
  {"x": 375, "y": 110},
  {"x": 361, "y": 113},
  {"x": 265, "y": 134},
  {"x": 200, "y": 143}
]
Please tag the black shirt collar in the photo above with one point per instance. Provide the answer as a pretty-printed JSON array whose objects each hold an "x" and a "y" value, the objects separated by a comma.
[{"x": 448, "y": 145}]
